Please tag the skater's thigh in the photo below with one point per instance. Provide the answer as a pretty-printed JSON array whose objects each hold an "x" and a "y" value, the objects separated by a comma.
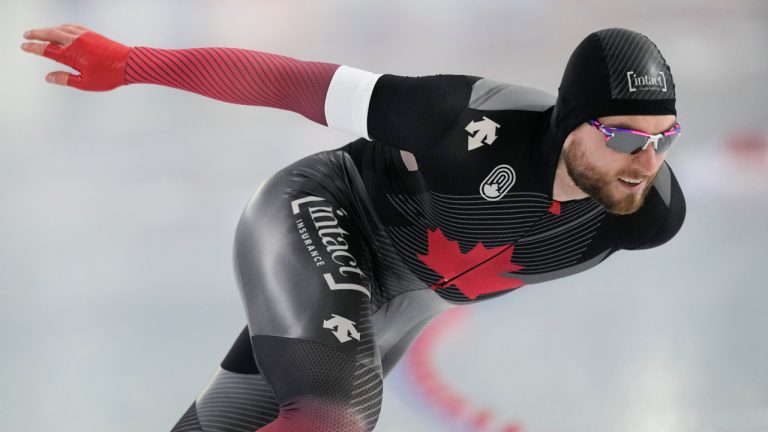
[{"x": 302, "y": 256}]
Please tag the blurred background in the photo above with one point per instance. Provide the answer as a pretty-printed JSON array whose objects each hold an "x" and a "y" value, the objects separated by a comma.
[{"x": 117, "y": 293}]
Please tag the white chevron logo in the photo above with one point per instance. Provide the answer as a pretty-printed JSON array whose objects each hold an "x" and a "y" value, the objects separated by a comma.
[
  {"x": 345, "y": 329},
  {"x": 481, "y": 132}
]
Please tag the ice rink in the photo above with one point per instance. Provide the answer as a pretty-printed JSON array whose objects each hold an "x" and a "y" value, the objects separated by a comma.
[{"x": 117, "y": 294}]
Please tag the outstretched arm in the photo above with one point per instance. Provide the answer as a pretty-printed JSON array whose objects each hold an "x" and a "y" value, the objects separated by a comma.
[
  {"x": 409, "y": 113},
  {"x": 227, "y": 74}
]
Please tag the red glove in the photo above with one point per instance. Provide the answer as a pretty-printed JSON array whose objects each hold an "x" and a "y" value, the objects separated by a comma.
[{"x": 100, "y": 61}]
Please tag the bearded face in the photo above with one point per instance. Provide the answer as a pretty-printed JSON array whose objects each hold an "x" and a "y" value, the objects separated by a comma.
[
  {"x": 599, "y": 183},
  {"x": 617, "y": 181}
]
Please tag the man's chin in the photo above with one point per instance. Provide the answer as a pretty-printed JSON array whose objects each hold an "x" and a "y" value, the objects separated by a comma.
[
  {"x": 622, "y": 210},
  {"x": 624, "y": 205}
]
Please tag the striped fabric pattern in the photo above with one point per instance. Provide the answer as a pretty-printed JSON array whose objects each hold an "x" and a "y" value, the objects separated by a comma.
[
  {"x": 367, "y": 388},
  {"x": 544, "y": 242},
  {"x": 232, "y": 402},
  {"x": 235, "y": 402},
  {"x": 631, "y": 52},
  {"x": 237, "y": 76}
]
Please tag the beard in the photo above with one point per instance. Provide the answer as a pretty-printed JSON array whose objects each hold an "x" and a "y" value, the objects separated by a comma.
[{"x": 599, "y": 184}]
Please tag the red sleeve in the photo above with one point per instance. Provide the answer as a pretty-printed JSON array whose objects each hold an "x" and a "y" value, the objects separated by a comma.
[{"x": 237, "y": 76}]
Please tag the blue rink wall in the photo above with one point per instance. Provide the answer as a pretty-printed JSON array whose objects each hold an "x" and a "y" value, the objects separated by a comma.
[{"x": 117, "y": 294}]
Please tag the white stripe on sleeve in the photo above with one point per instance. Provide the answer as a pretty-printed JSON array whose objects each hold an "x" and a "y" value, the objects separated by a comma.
[{"x": 347, "y": 100}]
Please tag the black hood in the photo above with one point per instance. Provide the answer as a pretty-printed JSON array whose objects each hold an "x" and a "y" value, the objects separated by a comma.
[{"x": 612, "y": 72}]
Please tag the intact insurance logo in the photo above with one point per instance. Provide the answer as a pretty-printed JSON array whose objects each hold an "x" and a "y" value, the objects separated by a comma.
[
  {"x": 333, "y": 251},
  {"x": 647, "y": 82}
]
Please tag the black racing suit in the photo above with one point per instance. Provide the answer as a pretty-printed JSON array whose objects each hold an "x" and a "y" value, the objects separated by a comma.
[{"x": 344, "y": 256}]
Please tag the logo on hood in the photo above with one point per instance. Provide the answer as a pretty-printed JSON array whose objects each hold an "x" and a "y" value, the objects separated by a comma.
[{"x": 646, "y": 82}]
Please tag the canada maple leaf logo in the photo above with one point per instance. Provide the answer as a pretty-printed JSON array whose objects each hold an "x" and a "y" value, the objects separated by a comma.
[
  {"x": 491, "y": 190},
  {"x": 479, "y": 271}
]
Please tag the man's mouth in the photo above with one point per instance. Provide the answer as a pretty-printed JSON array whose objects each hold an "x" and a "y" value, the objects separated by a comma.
[
  {"x": 630, "y": 180},
  {"x": 631, "y": 184}
]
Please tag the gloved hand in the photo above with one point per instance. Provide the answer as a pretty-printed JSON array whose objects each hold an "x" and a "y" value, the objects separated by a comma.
[{"x": 100, "y": 61}]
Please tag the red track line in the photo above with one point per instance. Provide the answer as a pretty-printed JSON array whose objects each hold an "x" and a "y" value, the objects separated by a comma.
[{"x": 438, "y": 393}]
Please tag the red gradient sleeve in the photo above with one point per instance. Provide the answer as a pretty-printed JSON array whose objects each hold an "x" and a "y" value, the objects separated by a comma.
[{"x": 238, "y": 76}]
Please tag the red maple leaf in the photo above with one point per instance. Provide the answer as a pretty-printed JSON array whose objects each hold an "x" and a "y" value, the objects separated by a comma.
[{"x": 444, "y": 257}]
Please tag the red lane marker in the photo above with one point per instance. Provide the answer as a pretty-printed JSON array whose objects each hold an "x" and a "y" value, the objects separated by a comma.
[{"x": 437, "y": 392}]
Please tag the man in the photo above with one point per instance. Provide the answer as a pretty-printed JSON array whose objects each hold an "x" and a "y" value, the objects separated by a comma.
[{"x": 461, "y": 189}]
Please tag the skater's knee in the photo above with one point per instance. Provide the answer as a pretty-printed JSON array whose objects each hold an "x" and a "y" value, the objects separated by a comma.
[{"x": 312, "y": 414}]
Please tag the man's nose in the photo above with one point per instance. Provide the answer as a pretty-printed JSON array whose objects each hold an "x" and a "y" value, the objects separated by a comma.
[{"x": 646, "y": 161}]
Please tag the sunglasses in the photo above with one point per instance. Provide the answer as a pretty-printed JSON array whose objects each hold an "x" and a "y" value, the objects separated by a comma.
[{"x": 632, "y": 141}]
